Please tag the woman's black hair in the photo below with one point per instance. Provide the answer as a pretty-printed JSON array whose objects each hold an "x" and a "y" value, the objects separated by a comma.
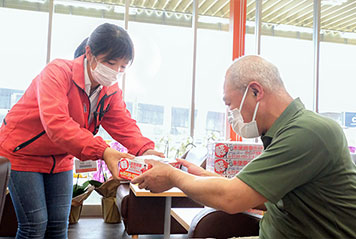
[
  {"x": 111, "y": 40},
  {"x": 81, "y": 48},
  {"x": 108, "y": 39}
]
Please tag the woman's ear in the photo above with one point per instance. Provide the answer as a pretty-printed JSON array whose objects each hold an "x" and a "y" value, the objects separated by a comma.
[{"x": 88, "y": 53}]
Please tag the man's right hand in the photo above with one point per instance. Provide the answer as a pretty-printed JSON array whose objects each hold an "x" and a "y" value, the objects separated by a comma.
[{"x": 111, "y": 158}]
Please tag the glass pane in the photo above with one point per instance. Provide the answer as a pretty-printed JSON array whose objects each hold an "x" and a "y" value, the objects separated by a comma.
[
  {"x": 24, "y": 39},
  {"x": 286, "y": 36},
  {"x": 214, "y": 55},
  {"x": 23, "y": 47},
  {"x": 337, "y": 78},
  {"x": 158, "y": 84},
  {"x": 294, "y": 59},
  {"x": 66, "y": 39}
]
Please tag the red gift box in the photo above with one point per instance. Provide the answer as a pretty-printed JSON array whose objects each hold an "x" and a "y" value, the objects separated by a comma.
[
  {"x": 227, "y": 158},
  {"x": 131, "y": 168}
]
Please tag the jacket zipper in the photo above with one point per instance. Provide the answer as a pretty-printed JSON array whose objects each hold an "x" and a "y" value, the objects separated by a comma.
[
  {"x": 4, "y": 122},
  {"x": 29, "y": 141},
  {"x": 85, "y": 93},
  {"x": 54, "y": 163},
  {"x": 95, "y": 113},
  {"x": 101, "y": 112}
]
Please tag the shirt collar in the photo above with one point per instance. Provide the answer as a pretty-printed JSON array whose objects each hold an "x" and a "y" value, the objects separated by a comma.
[
  {"x": 287, "y": 114},
  {"x": 86, "y": 78}
]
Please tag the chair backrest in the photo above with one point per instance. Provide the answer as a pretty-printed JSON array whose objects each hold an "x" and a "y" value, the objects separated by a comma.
[{"x": 4, "y": 179}]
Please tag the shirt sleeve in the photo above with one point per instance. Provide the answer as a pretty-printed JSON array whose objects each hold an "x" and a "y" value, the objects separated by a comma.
[{"x": 291, "y": 160}]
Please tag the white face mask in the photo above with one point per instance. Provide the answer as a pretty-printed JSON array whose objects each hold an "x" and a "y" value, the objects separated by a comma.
[
  {"x": 246, "y": 130},
  {"x": 105, "y": 75}
]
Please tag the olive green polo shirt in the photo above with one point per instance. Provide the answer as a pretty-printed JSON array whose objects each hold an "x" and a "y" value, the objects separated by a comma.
[{"x": 307, "y": 176}]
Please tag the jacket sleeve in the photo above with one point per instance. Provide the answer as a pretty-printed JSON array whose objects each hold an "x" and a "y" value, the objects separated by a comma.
[
  {"x": 119, "y": 124},
  {"x": 53, "y": 84}
]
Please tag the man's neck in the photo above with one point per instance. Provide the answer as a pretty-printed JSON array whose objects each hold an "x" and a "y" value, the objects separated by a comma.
[{"x": 275, "y": 106}]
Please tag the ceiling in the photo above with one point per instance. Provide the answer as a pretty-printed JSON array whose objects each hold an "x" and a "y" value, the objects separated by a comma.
[
  {"x": 340, "y": 17},
  {"x": 299, "y": 13}
]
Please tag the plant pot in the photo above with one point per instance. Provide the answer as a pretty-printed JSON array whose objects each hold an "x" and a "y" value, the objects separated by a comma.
[
  {"x": 109, "y": 210},
  {"x": 75, "y": 212}
]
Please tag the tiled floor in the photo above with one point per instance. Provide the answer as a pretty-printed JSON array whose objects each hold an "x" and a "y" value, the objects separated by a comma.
[{"x": 95, "y": 228}]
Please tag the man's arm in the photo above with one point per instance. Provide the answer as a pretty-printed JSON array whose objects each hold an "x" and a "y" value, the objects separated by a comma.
[{"x": 229, "y": 195}]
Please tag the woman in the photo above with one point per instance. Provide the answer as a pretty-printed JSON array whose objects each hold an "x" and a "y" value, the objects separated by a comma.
[{"x": 56, "y": 119}]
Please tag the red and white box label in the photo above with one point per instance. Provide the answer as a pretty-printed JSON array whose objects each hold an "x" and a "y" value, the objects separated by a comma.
[
  {"x": 227, "y": 158},
  {"x": 131, "y": 168}
]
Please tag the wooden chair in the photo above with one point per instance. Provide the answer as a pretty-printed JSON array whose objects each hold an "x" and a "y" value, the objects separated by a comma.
[
  {"x": 4, "y": 179},
  {"x": 212, "y": 223}
]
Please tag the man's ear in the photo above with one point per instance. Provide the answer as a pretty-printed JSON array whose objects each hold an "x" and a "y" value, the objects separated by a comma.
[{"x": 257, "y": 90}]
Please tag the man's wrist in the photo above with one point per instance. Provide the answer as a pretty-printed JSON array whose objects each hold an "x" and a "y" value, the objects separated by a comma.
[
  {"x": 174, "y": 176},
  {"x": 210, "y": 174}
]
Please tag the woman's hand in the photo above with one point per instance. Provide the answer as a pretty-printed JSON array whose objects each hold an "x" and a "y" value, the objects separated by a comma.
[
  {"x": 112, "y": 157},
  {"x": 153, "y": 152}
]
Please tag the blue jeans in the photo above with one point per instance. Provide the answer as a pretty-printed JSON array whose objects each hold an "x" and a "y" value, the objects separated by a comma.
[{"x": 42, "y": 203}]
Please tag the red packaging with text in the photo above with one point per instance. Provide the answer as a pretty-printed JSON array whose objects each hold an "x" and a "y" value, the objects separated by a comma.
[
  {"x": 228, "y": 158},
  {"x": 131, "y": 168}
]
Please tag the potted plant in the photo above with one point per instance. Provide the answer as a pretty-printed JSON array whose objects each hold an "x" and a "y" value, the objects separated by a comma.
[
  {"x": 80, "y": 193},
  {"x": 106, "y": 187}
]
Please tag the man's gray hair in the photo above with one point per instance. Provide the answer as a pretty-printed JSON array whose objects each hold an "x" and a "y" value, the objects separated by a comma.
[{"x": 254, "y": 68}]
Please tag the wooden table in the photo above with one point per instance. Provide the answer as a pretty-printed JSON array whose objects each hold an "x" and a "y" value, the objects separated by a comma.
[
  {"x": 185, "y": 215},
  {"x": 173, "y": 192}
]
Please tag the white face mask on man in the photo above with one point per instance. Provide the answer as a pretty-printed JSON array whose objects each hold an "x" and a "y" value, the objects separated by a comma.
[
  {"x": 105, "y": 75},
  {"x": 246, "y": 130}
]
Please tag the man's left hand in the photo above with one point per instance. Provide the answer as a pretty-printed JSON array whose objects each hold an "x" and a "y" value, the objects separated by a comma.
[{"x": 157, "y": 179}]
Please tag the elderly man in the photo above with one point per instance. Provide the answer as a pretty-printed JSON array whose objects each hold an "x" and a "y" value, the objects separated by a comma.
[{"x": 304, "y": 177}]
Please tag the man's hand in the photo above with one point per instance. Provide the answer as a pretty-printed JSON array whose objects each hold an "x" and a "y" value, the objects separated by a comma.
[
  {"x": 153, "y": 152},
  {"x": 192, "y": 168},
  {"x": 111, "y": 158},
  {"x": 157, "y": 179},
  {"x": 195, "y": 169}
]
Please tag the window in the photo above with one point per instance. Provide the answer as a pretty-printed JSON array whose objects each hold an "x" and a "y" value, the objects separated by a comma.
[
  {"x": 70, "y": 30},
  {"x": 214, "y": 56},
  {"x": 337, "y": 70},
  {"x": 129, "y": 107},
  {"x": 337, "y": 85},
  {"x": 23, "y": 53},
  {"x": 23, "y": 47},
  {"x": 295, "y": 64},
  {"x": 215, "y": 122},
  {"x": 150, "y": 114},
  {"x": 9, "y": 97},
  {"x": 159, "y": 80},
  {"x": 180, "y": 121}
]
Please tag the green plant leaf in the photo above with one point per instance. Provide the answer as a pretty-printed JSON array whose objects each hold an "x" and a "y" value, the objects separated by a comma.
[{"x": 95, "y": 183}]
